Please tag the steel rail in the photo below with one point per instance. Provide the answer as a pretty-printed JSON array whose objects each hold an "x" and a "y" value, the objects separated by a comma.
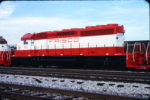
[
  {"x": 65, "y": 92},
  {"x": 16, "y": 96},
  {"x": 97, "y": 76},
  {"x": 78, "y": 70}
]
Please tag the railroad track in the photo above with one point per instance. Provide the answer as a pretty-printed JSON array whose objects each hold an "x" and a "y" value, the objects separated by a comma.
[
  {"x": 97, "y": 75},
  {"x": 20, "y": 92}
]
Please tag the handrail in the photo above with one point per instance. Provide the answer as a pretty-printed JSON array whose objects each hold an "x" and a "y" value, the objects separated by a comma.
[
  {"x": 133, "y": 51},
  {"x": 148, "y": 45},
  {"x": 144, "y": 47},
  {"x": 136, "y": 43},
  {"x": 140, "y": 47},
  {"x": 8, "y": 55},
  {"x": 2, "y": 56},
  {"x": 127, "y": 51}
]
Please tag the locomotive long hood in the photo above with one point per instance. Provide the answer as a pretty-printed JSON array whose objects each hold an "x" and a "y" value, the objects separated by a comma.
[{"x": 77, "y": 32}]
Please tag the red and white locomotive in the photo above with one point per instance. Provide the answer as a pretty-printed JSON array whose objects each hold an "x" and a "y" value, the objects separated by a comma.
[
  {"x": 100, "y": 46},
  {"x": 4, "y": 52}
]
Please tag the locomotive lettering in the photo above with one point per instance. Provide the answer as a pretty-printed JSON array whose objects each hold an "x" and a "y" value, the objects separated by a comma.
[{"x": 65, "y": 40}]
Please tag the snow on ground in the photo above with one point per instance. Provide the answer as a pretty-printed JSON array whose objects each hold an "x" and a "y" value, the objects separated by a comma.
[{"x": 113, "y": 88}]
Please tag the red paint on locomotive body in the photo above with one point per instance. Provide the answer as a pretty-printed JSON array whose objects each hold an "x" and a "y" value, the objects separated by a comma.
[
  {"x": 5, "y": 58},
  {"x": 99, "y": 51}
]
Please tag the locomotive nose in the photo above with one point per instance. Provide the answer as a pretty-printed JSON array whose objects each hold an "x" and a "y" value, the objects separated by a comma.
[{"x": 4, "y": 52}]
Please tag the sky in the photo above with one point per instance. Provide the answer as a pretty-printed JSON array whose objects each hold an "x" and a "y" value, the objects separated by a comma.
[{"x": 20, "y": 17}]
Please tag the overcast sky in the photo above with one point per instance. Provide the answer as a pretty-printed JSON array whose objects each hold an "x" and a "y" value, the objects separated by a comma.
[{"x": 20, "y": 17}]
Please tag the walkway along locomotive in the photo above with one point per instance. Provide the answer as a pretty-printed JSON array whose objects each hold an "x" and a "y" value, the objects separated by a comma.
[{"x": 100, "y": 46}]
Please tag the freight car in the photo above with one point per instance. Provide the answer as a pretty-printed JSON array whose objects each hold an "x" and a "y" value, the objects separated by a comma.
[{"x": 100, "y": 46}]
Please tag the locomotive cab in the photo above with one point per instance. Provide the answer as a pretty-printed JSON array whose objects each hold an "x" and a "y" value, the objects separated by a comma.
[
  {"x": 120, "y": 39},
  {"x": 27, "y": 45},
  {"x": 4, "y": 52}
]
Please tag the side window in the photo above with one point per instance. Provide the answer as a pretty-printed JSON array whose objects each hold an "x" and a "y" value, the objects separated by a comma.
[
  {"x": 25, "y": 42},
  {"x": 32, "y": 42}
]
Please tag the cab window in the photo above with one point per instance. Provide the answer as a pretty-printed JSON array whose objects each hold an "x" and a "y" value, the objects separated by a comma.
[{"x": 25, "y": 42}]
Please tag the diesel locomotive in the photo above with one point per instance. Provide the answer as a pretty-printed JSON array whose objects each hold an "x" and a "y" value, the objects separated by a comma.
[{"x": 100, "y": 46}]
